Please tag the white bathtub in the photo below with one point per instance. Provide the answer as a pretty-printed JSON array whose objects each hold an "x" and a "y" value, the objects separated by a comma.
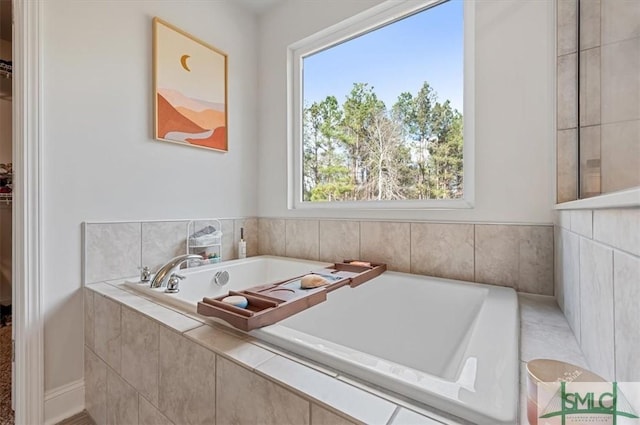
[
  {"x": 199, "y": 283},
  {"x": 448, "y": 344}
]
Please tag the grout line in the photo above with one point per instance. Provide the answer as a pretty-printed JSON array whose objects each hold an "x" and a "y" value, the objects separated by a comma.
[
  {"x": 359, "y": 243},
  {"x": 106, "y": 390},
  {"x": 255, "y": 367},
  {"x": 318, "y": 241},
  {"x": 158, "y": 372},
  {"x": 215, "y": 388},
  {"x": 393, "y": 415},
  {"x": 616, "y": 122},
  {"x": 286, "y": 221},
  {"x": 600, "y": 94},
  {"x": 83, "y": 259},
  {"x": 599, "y": 242},
  {"x": 595, "y": 125},
  {"x": 578, "y": 86},
  {"x": 575, "y": 52},
  {"x": 613, "y": 309},
  {"x": 624, "y": 40},
  {"x": 553, "y": 265},
  {"x": 474, "y": 253},
  {"x": 360, "y": 240},
  {"x": 140, "y": 259},
  {"x": 410, "y": 244},
  {"x": 590, "y": 48},
  {"x": 120, "y": 337},
  {"x": 579, "y": 286}
]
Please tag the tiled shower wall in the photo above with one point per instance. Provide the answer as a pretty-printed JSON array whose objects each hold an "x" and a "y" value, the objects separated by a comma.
[
  {"x": 116, "y": 250},
  {"x": 598, "y": 287},
  {"x": 518, "y": 256},
  {"x": 598, "y": 251},
  {"x": 608, "y": 99}
]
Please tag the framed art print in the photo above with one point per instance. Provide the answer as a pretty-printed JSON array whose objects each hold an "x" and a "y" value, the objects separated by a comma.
[{"x": 190, "y": 89}]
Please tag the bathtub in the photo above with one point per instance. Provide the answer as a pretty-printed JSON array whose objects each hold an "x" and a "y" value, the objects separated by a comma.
[
  {"x": 243, "y": 274},
  {"x": 448, "y": 344}
]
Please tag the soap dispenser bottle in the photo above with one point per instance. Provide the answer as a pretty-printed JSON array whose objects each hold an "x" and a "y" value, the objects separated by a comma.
[{"x": 242, "y": 245}]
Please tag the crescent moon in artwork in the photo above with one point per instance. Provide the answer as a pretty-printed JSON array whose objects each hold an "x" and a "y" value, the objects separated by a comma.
[{"x": 183, "y": 61}]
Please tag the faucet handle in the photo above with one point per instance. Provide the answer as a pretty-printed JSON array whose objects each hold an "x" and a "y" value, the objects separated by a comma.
[
  {"x": 145, "y": 274},
  {"x": 173, "y": 283}
]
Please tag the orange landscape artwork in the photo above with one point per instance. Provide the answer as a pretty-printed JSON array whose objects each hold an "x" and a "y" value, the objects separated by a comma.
[{"x": 190, "y": 89}]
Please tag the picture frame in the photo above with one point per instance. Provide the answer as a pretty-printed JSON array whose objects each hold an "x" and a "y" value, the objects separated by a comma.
[{"x": 189, "y": 89}]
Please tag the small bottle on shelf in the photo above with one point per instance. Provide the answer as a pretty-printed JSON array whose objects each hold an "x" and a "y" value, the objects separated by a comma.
[{"x": 242, "y": 245}]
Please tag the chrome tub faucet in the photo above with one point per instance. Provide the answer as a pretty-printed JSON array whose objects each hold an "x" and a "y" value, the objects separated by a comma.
[{"x": 163, "y": 274}]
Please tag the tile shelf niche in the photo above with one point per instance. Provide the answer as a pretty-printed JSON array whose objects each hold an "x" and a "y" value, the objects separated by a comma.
[{"x": 598, "y": 104}]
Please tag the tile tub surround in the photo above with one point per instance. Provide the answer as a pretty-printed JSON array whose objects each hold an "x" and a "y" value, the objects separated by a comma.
[
  {"x": 598, "y": 283},
  {"x": 176, "y": 363},
  {"x": 518, "y": 256},
  {"x": 272, "y": 376},
  {"x": 255, "y": 375},
  {"x": 114, "y": 250}
]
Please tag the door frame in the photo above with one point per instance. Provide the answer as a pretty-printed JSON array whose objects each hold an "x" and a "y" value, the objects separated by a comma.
[{"x": 27, "y": 234}]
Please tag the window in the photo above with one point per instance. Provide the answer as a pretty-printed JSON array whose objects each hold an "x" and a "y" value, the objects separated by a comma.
[{"x": 378, "y": 110}]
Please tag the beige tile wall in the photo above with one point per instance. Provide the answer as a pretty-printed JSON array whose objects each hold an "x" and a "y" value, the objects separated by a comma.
[
  {"x": 518, "y": 256},
  {"x": 598, "y": 286},
  {"x": 443, "y": 250},
  {"x": 339, "y": 240},
  {"x": 162, "y": 240},
  {"x": 114, "y": 250},
  {"x": 117, "y": 250}
]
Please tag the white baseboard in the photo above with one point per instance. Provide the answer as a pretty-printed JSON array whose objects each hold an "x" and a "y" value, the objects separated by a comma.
[{"x": 63, "y": 402}]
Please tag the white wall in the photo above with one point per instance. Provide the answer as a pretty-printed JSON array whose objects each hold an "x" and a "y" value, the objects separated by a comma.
[
  {"x": 514, "y": 74},
  {"x": 100, "y": 161}
]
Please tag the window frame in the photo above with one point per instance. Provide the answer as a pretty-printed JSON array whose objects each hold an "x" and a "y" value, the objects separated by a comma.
[{"x": 379, "y": 16}]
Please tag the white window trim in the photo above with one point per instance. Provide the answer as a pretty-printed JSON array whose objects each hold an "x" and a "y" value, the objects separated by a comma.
[{"x": 376, "y": 17}]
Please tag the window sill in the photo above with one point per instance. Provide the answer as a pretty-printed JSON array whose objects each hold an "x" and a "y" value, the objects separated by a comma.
[
  {"x": 433, "y": 204},
  {"x": 622, "y": 199}
]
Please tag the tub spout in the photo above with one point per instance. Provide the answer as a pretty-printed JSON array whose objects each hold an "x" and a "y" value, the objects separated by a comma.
[{"x": 162, "y": 276}]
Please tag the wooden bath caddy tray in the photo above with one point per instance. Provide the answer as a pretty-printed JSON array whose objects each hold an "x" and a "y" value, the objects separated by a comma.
[{"x": 272, "y": 302}]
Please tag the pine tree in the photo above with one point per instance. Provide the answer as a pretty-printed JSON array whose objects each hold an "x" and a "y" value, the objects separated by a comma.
[{"x": 360, "y": 150}]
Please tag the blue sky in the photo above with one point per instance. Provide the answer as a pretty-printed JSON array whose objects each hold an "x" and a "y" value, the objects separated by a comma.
[{"x": 427, "y": 46}]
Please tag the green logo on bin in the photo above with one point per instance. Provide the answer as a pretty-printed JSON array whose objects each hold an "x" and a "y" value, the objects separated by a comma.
[{"x": 588, "y": 399}]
